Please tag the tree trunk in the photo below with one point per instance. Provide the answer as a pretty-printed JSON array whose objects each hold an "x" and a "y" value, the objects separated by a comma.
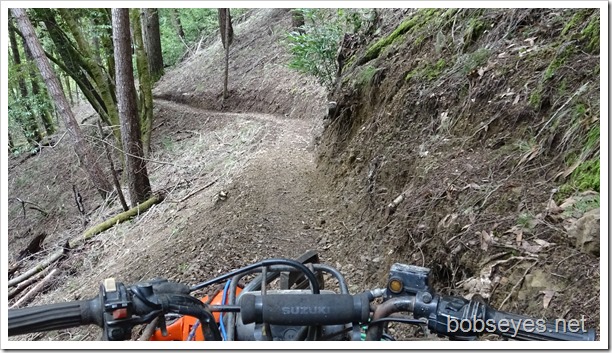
[
  {"x": 136, "y": 168},
  {"x": 227, "y": 36},
  {"x": 37, "y": 288},
  {"x": 46, "y": 117},
  {"x": 144, "y": 81},
  {"x": 176, "y": 20},
  {"x": 121, "y": 217},
  {"x": 89, "y": 62},
  {"x": 89, "y": 160},
  {"x": 297, "y": 20},
  {"x": 113, "y": 170},
  {"x": 68, "y": 89},
  {"x": 106, "y": 42},
  {"x": 32, "y": 132},
  {"x": 37, "y": 268},
  {"x": 11, "y": 144},
  {"x": 153, "y": 43},
  {"x": 95, "y": 41},
  {"x": 71, "y": 62},
  {"x": 224, "y": 18},
  {"x": 227, "y": 46},
  {"x": 23, "y": 285}
]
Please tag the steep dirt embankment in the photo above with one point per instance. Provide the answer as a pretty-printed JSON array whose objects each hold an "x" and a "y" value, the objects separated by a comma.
[{"x": 472, "y": 121}]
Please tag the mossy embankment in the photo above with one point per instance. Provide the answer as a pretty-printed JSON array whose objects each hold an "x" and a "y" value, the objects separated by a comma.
[{"x": 485, "y": 120}]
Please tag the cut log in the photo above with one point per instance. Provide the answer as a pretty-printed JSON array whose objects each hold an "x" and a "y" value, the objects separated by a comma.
[
  {"x": 23, "y": 285},
  {"x": 37, "y": 288},
  {"x": 122, "y": 217},
  {"x": 14, "y": 269},
  {"x": 34, "y": 270}
]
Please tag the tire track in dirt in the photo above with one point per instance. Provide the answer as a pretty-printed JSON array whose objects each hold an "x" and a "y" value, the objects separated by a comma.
[{"x": 272, "y": 206}]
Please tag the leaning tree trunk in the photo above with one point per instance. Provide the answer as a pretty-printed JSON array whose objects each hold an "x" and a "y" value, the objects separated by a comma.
[
  {"x": 136, "y": 168},
  {"x": 46, "y": 117},
  {"x": 107, "y": 48},
  {"x": 83, "y": 150},
  {"x": 72, "y": 62},
  {"x": 95, "y": 42},
  {"x": 88, "y": 61},
  {"x": 153, "y": 43},
  {"x": 32, "y": 132}
]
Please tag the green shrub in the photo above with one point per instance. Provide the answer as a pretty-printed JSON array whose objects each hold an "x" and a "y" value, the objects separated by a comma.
[
  {"x": 314, "y": 49},
  {"x": 315, "y": 46}
]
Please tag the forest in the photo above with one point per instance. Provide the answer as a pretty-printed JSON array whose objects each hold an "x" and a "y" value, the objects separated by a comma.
[{"x": 184, "y": 143}]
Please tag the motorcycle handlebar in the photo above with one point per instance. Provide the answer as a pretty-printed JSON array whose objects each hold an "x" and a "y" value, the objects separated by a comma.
[
  {"x": 459, "y": 318},
  {"x": 527, "y": 328},
  {"x": 304, "y": 309},
  {"x": 118, "y": 308},
  {"x": 54, "y": 316}
]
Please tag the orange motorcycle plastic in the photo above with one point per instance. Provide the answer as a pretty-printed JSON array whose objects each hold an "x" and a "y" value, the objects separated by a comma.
[{"x": 179, "y": 329}]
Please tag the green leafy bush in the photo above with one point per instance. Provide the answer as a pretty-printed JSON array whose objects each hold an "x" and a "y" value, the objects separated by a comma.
[
  {"x": 315, "y": 46},
  {"x": 314, "y": 49}
]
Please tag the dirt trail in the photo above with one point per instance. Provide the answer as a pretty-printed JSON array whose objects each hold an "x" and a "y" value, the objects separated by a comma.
[
  {"x": 271, "y": 206},
  {"x": 263, "y": 163}
]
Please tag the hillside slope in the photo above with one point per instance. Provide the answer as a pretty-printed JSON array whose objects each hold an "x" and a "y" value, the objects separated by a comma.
[
  {"x": 257, "y": 150},
  {"x": 467, "y": 140}
]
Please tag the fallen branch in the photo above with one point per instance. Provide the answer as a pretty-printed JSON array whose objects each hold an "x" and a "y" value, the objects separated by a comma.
[
  {"x": 58, "y": 141},
  {"x": 37, "y": 288},
  {"x": 198, "y": 190},
  {"x": 96, "y": 139},
  {"x": 23, "y": 285},
  {"x": 113, "y": 171},
  {"x": 33, "y": 207},
  {"x": 149, "y": 330},
  {"x": 34, "y": 270},
  {"x": 122, "y": 217}
]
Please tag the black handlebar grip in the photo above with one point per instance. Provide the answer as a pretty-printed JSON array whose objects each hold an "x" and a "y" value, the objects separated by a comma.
[
  {"x": 526, "y": 328},
  {"x": 54, "y": 316},
  {"x": 304, "y": 309},
  {"x": 460, "y": 318}
]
